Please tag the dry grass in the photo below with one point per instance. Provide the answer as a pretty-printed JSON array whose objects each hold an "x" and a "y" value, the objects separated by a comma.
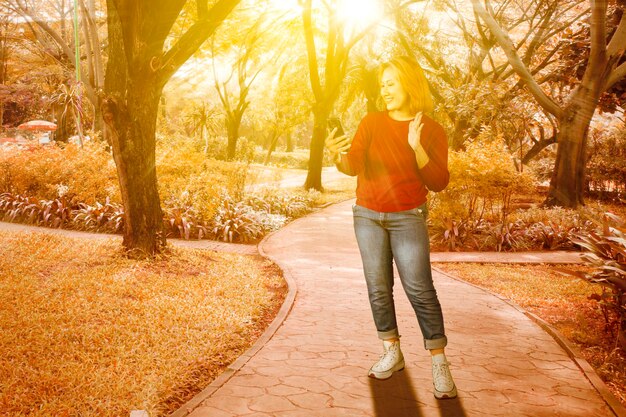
[
  {"x": 562, "y": 301},
  {"x": 86, "y": 331}
]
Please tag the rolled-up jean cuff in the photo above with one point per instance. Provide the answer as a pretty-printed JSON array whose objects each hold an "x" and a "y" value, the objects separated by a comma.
[
  {"x": 439, "y": 343},
  {"x": 389, "y": 334}
]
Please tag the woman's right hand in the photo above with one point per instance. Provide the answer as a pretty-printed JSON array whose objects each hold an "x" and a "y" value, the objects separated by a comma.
[{"x": 338, "y": 144}]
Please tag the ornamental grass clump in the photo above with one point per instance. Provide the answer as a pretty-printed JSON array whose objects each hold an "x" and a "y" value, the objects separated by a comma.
[
  {"x": 107, "y": 217},
  {"x": 55, "y": 213},
  {"x": 237, "y": 222}
]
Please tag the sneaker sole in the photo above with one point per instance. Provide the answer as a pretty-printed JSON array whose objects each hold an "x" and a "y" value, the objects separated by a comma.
[
  {"x": 387, "y": 374},
  {"x": 448, "y": 395}
]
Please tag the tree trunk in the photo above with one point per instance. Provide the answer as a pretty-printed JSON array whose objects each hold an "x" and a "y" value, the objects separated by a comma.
[
  {"x": 233, "y": 122},
  {"x": 461, "y": 125},
  {"x": 568, "y": 178},
  {"x": 316, "y": 154},
  {"x": 131, "y": 129},
  {"x": 289, "y": 140},
  {"x": 129, "y": 110},
  {"x": 271, "y": 148}
]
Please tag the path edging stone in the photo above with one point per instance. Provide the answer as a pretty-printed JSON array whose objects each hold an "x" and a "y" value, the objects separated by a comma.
[{"x": 611, "y": 401}]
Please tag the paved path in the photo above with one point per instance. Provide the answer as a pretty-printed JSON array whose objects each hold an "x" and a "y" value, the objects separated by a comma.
[
  {"x": 197, "y": 244},
  {"x": 290, "y": 178},
  {"x": 316, "y": 362}
]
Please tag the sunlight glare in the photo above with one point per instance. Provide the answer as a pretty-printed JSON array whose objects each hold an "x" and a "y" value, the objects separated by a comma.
[
  {"x": 291, "y": 8},
  {"x": 359, "y": 13}
]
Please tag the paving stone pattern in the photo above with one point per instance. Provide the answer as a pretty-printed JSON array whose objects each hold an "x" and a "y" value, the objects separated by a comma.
[{"x": 316, "y": 363}]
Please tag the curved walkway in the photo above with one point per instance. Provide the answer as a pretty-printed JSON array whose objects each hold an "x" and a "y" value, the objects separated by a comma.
[
  {"x": 316, "y": 362},
  {"x": 239, "y": 248},
  {"x": 313, "y": 360}
]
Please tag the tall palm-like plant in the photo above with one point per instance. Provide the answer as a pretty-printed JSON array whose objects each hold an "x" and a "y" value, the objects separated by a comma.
[
  {"x": 203, "y": 118},
  {"x": 69, "y": 98}
]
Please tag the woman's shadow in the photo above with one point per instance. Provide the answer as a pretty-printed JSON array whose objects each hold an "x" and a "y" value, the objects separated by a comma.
[{"x": 396, "y": 397}]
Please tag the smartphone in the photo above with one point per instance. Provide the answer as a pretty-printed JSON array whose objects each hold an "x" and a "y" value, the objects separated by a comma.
[{"x": 334, "y": 122}]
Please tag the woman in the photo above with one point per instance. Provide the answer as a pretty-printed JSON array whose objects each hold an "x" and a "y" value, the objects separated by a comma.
[{"x": 397, "y": 156}]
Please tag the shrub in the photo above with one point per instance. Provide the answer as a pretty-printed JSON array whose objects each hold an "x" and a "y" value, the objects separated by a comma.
[
  {"x": 476, "y": 205},
  {"x": 107, "y": 217},
  {"x": 606, "y": 254},
  {"x": 483, "y": 180},
  {"x": 85, "y": 174},
  {"x": 184, "y": 223},
  {"x": 51, "y": 213},
  {"x": 275, "y": 201},
  {"x": 298, "y": 159},
  {"x": 187, "y": 178},
  {"x": 237, "y": 222},
  {"x": 606, "y": 166},
  {"x": 217, "y": 148}
]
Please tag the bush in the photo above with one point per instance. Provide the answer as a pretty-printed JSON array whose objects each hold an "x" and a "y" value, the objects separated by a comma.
[
  {"x": 237, "y": 222},
  {"x": 85, "y": 174},
  {"x": 184, "y": 223},
  {"x": 483, "y": 181},
  {"x": 476, "y": 205},
  {"x": 107, "y": 217},
  {"x": 217, "y": 148},
  {"x": 258, "y": 214},
  {"x": 606, "y": 167},
  {"x": 187, "y": 178},
  {"x": 275, "y": 201},
  {"x": 201, "y": 197},
  {"x": 53, "y": 213},
  {"x": 606, "y": 254}
]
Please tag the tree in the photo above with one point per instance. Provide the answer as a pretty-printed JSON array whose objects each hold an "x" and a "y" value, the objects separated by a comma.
[
  {"x": 139, "y": 66},
  {"x": 5, "y": 51},
  {"x": 248, "y": 47},
  {"x": 325, "y": 82},
  {"x": 289, "y": 106},
  {"x": 604, "y": 69},
  {"x": 473, "y": 85},
  {"x": 202, "y": 119}
]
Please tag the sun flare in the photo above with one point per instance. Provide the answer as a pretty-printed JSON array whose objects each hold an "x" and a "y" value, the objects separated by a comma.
[
  {"x": 359, "y": 13},
  {"x": 354, "y": 13}
]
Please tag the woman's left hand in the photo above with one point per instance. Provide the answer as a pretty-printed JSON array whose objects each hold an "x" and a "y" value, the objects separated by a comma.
[{"x": 415, "y": 131}]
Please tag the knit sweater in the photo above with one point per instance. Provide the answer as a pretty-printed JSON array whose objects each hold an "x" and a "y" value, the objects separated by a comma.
[{"x": 388, "y": 178}]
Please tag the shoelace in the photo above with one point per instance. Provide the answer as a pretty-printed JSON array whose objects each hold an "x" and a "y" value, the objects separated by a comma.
[
  {"x": 388, "y": 353},
  {"x": 442, "y": 371}
]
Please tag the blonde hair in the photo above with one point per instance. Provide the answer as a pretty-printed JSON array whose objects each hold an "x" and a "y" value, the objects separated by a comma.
[{"x": 413, "y": 80}]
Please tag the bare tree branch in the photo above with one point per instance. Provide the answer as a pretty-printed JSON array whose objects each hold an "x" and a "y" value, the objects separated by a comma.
[{"x": 515, "y": 61}]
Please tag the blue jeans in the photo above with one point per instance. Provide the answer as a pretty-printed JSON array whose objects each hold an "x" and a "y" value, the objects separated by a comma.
[{"x": 401, "y": 237}]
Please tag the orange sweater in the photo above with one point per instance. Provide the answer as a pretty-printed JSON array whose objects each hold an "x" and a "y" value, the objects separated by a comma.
[{"x": 388, "y": 177}]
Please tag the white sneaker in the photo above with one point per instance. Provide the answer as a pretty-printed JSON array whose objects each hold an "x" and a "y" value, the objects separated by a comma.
[
  {"x": 442, "y": 378},
  {"x": 390, "y": 361}
]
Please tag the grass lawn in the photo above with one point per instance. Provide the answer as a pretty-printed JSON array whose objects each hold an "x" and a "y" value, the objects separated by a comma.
[
  {"x": 560, "y": 300},
  {"x": 85, "y": 331}
]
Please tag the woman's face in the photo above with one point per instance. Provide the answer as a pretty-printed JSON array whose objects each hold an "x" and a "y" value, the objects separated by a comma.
[{"x": 392, "y": 92}]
